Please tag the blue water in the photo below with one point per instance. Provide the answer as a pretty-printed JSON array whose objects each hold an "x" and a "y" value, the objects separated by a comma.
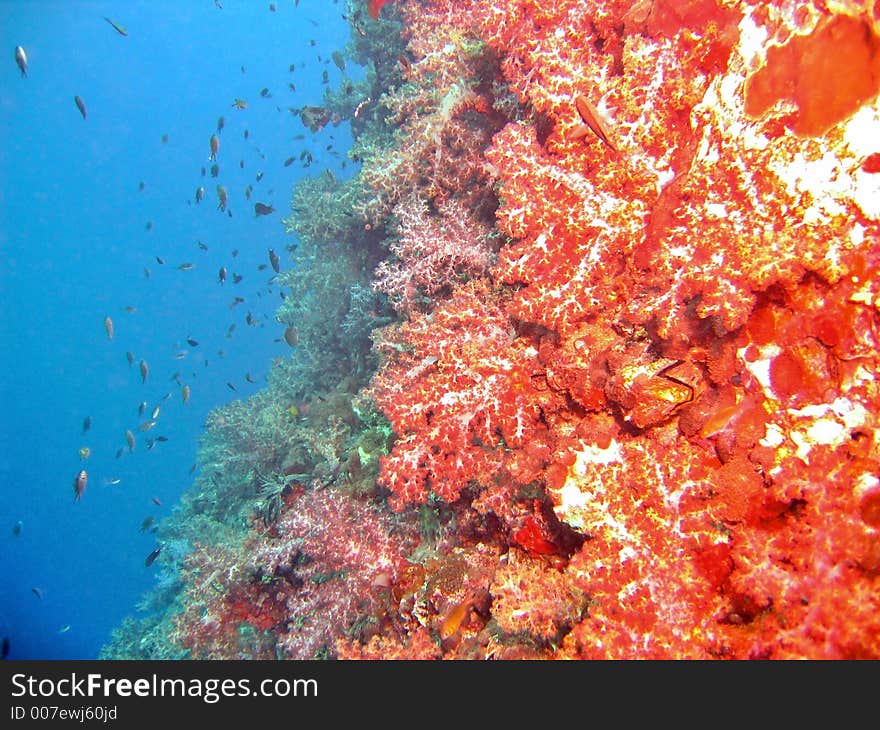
[{"x": 74, "y": 246}]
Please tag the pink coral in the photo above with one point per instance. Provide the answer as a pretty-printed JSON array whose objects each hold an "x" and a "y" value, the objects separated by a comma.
[
  {"x": 318, "y": 575},
  {"x": 432, "y": 253}
]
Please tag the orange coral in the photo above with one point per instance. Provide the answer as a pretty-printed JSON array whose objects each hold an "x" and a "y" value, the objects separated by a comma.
[{"x": 678, "y": 348}]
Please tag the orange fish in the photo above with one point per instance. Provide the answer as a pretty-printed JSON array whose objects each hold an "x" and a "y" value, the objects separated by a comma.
[
  {"x": 215, "y": 147},
  {"x": 591, "y": 118},
  {"x": 222, "y": 197},
  {"x": 455, "y": 618}
]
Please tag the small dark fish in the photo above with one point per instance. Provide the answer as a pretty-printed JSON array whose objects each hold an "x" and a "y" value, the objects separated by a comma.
[
  {"x": 222, "y": 197},
  {"x": 241, "y": 164},
  {"x": 191, "y": 342},
  {"x": 161, "y": 439},
  {"x": 245, "y": 134},
  {"x": 145, "y": 370},
  {"x": 289, "y": 161},
  {"x": 247, "y": 376},
  {"x": 192, "y": 468},
  {"x": 186, "y": 266},
  {"x": 202, "y": 246},
  {"x": 273, "y": 259},
  {"x": 80, "y": 104},
  {"x": 21, "y": 59},
  {"x": 37, "y": 592},
  {"x": 215, "y": 170},
  {"x": 149, "y": 225},
  {"x": 129, "y": 309},
  {"x": 79, "y": 485},
  {"x": 160, "y": 260},
  {"x": 265, "y": 93},
  {"x": 237, "y": 278},
  {"x": 16, "y": 528},
  {"x": 156, "y": 501},
  {"x": 118, "y": 28},
  {"x": 87, "y": 423},
  {"x": 165, "y": 138},
  {"x": 230, "y": 330},
  {"x": 259, "y": 175},
  {"x": 129, "y": 437},
  {"x": 214, "y": 143},
  {"x": 142, "y": 408},
  {"x": 151, "y": 558},
  {"x": 325, "y": 77},
  {"x": 234, "y": 252},
  {"x": 147, "y": 523},
  {"x": 230, "y": 386},
  {"x": 200, "y": 195},
  {"x": 108, "y": 325},
  {"x": 119, "y": 452},
  {"x": 221, "y": 276},
  {"x": 263, "y": 209},
  {"x": 220, "y": 123},
  {"x": 141, "y": 186},
  {"x": 315, "y": 117}
]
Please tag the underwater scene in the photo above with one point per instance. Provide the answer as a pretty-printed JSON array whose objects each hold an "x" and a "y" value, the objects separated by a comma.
[{"x": 434, "y": 329}]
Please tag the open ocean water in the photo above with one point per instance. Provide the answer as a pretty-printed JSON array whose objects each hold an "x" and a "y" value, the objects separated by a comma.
[{"x": 98, "y": 219}]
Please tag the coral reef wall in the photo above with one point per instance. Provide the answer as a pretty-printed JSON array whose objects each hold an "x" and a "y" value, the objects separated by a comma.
[{"x": 626, "y": 259}]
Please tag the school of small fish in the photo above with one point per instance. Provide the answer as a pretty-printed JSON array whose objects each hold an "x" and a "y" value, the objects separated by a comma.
[{"x": 314, "y": 118}]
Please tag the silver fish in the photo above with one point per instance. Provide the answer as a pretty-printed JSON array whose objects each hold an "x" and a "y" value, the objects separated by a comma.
[{"x": 21, "y": 59}]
